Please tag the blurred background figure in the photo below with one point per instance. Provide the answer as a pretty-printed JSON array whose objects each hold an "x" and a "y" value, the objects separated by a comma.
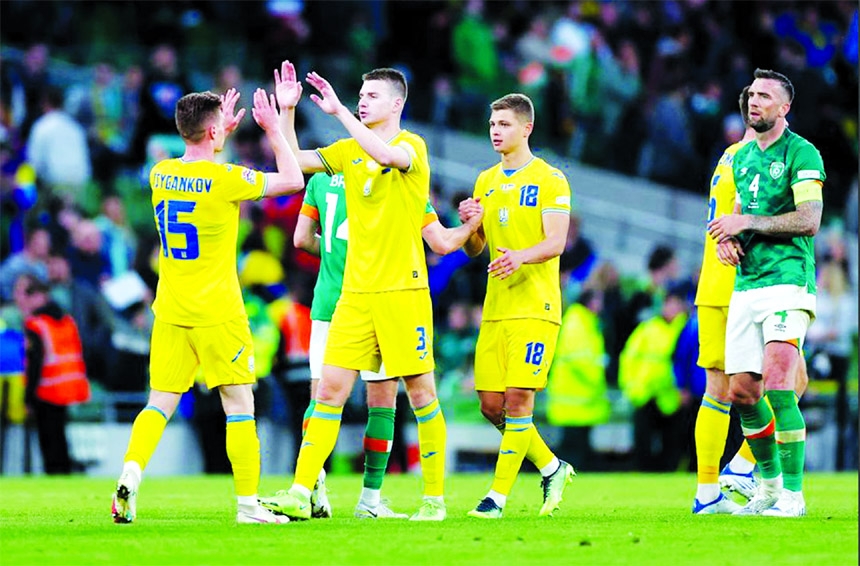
[
  {"x": 576, "y": 391},
  {"x": 56, "y": 375},
  {"x": 646, "y": 377}
]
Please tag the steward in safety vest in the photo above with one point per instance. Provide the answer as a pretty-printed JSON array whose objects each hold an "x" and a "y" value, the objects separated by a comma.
[
  {"x": 55, "y": 363},
  {"x": 55, "y": 371}
]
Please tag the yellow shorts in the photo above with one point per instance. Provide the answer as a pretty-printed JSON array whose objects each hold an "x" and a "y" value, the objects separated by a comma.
[
  {"x": 226, "y": 352},
  {"x": 712, "y": 337},
  {"x": 395, "y": 326},
  {"x": 514, "y": 353}
]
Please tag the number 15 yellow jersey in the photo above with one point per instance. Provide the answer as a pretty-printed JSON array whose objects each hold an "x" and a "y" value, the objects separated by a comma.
[{"x": 196, "y": 206}]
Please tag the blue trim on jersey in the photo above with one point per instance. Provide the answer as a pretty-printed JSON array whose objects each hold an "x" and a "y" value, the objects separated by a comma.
[
  {"x": 239, "y": 418},
  {"x": 157, "y": 410},
  {"x": 510, "y": 172}
]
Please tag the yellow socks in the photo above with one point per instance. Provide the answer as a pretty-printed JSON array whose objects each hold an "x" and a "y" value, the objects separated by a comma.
[
  {"x": 145, "y": 434},
  {"x": 432, "y": 437},
  {"x": 519, "y": 434},
  {"x": 243, "y": 450},
  {"x": 318, "y": 443}
]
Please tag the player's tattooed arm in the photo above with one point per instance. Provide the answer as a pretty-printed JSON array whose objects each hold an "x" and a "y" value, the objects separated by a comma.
[{"x": 804, "y": 221}]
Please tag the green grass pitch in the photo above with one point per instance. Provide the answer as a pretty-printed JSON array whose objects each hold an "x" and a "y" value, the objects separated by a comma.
[{"x": 605, "y": 519}]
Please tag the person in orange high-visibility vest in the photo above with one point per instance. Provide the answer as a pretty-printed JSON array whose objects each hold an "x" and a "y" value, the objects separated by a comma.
[{"x": 55, "y": 371}]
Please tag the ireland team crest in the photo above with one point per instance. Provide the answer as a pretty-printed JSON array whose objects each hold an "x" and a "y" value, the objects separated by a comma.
[{"x": 776, "y": 169}]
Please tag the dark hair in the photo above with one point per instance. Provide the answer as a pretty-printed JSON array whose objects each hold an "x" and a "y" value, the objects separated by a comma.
[
  {"x": 660, "y": 257},
  {"x": 778, "y": 77},
  {"x": 519, "y": 103},
  {"x": 194, "y": 112},
  {"x": 392, "y": 76},
  {"x": 744, "y": 104}
]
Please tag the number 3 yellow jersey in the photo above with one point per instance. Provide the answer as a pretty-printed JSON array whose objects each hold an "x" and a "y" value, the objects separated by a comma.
[
  {"x": 196, "y": 207},
  {"x": 386, "y": 215},
  {"x": 514, "y": 204},
  {"x": 716, "y": 280}
]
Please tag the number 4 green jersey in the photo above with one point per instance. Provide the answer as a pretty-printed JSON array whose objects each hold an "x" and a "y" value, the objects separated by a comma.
[{"x": 764, "y": 180}]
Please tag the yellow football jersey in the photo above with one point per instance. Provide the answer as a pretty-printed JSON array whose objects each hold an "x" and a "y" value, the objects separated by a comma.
[
  {"x": 196, "y": 206},
  {"x": 386, "y": 214},
  {"x": 514, "y": 204},
  {"x": 716, "y": 280}
]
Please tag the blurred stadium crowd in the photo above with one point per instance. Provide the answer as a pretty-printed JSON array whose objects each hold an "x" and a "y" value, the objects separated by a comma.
[{"x": 646, "y": 89}]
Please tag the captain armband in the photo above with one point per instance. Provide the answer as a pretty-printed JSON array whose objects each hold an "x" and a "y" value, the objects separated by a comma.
[{"x": 806, "y": 191}]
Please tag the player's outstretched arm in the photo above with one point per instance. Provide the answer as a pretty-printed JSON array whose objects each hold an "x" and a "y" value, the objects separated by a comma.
[
  {"x": 555, "y": 227},
  {"x": 384, "y": 154},
  {"x": 288, "y": 92},
  {"x": 289, "y": 178},
  {"x": 305, "y": 237},
  {"x": 446, "y": 240}
]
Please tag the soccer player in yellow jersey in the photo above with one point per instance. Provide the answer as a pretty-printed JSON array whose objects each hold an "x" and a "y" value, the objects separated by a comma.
[
  {"x": 526, "y": 215},
  {"x": 200, "y": 318},
  {"x": 384, "y": 310},
  {"x": 716, "y": 282}
]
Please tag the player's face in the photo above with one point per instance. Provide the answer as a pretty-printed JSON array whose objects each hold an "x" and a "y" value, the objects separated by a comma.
[
  {"x": 767, "y": 104},
  {"x": 507, "y": 132},
  {"x": 376, "y": 102}
]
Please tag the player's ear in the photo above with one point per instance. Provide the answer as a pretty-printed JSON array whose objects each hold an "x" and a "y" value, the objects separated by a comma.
[
  {"x": 398, "y": 105},
  {"x": 527, "y": 130}
]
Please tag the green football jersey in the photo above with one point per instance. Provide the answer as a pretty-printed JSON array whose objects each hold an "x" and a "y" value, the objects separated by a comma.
[
  {"x": 325, "y": 202},
  {"x": 764, "y": 180}
]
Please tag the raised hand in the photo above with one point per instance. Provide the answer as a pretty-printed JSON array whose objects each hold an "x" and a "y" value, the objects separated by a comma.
[
  {"x": 328, "y": 101},
  {"x": 228, "y": 105},
  {"x": 288, "y": 90},
  {"x": 264, "y": 111}
]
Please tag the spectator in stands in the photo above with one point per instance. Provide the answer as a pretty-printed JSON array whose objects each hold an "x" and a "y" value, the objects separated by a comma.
[
  {"x": 88, "y": 261},
  {"x": 56, "y": 375},
  {"x": 164, "y": 84},
  {"x": 57, "y": 149},
  {"x": 577, "y": 261},
  {"x": 92, "y": 314},
  {"x": 647, "y": 379},
  {"x": 98, "y": 107},
  {"x": 644, "y": 302},
  {"x": 576, "y": 391},
  {"x": 26, "y": 83},
  {"x": 32, "y": 259},
  {"x": 832, "y": 337},
  {"x": 119, "y": 242},
  {"x": 476, "y": 60}
]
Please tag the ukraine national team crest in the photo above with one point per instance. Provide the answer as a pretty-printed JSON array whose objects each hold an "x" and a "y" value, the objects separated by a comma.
[
  {"x": 776, "y": 169},
  {"x": 503, "y": 216}
]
